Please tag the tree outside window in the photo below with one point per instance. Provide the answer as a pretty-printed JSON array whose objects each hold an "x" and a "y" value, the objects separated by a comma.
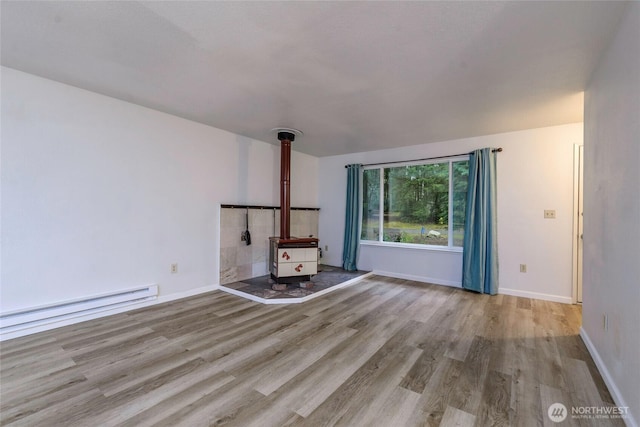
[{"x": 422, "y": 204}]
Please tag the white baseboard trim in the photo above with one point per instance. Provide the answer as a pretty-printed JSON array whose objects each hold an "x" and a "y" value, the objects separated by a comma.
[
  {"x": 46, "y": 325},
  {"x": 606, "y": 376},
  {"x": 513, "y": 292},
  {"x": 186, "y": 294},
  {"x": 418, "y": 278},
  {"x": 294, "y": 300},
  {"x": 535, "y": 295}
]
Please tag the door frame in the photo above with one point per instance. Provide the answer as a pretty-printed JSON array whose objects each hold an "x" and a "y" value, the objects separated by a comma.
[{"x": 578, "y": 174}]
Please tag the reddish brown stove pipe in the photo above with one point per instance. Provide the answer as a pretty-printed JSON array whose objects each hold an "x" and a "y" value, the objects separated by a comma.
[{"x": 285, "y": 183}]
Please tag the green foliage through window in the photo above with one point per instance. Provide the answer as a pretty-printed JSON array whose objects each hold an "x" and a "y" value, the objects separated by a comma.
[{"x": 416, "y": 201}]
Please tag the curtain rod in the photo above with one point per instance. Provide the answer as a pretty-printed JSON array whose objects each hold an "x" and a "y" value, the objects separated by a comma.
[{"x": 495, "y": 150}]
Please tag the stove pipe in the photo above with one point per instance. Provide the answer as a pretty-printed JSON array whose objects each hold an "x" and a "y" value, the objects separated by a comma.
[{"x": 286, "y": 138}]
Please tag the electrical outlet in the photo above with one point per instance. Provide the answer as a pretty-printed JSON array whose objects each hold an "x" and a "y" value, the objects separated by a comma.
[
  {"x": 523, "y": 268},
  {"x": 326, "y": 248},
  {"x": 549, "y": 214},
  {"x": 243, "y": 236},
  {"x": 174, "y": 268}
]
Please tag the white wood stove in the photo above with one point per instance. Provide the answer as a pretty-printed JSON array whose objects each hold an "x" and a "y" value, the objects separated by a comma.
[{"x": 291, "y": 259}]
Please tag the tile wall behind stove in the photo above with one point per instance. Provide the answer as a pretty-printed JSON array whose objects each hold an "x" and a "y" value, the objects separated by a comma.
[{"x": 239, "y": 261}]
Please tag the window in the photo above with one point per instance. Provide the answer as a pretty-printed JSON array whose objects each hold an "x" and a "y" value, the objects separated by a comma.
[{"x": 418, "y": 204}]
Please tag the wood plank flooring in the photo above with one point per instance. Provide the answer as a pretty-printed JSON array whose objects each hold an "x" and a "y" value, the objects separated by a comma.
[{"x": 384, "y": 352}]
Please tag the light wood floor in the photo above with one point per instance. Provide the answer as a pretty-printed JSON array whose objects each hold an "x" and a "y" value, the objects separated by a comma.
[{"x": 384, "y": 352}]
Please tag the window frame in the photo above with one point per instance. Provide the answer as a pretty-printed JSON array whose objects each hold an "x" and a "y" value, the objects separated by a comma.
[{"x": 418, "y": 246}]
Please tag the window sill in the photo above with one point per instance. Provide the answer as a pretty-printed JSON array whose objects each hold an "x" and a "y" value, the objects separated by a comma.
[{"x": 411, "y": 246}]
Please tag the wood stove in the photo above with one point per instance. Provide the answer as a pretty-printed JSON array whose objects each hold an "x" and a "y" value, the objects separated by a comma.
[{"x": 291, "y": 259}]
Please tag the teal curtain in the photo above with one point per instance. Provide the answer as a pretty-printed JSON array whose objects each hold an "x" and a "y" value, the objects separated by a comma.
[
  {"x": 480, "y": 256},
  {"x": 352, "y": 218}
]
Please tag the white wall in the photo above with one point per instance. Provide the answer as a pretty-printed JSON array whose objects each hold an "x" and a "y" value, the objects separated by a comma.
[
  {"x": 612, "y": 214},
  {"x": 535, "y": 172},
  {"x": 100, "y": 195}
]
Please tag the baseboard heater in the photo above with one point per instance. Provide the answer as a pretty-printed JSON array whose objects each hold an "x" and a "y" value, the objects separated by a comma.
[{"x": 50, "y": 313}]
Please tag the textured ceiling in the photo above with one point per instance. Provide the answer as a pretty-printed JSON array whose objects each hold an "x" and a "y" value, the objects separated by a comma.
[{"x": 354, "y": 76}]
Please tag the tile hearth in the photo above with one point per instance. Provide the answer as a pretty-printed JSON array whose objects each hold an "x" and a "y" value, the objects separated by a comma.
[{"x": 259, "y": 288}]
